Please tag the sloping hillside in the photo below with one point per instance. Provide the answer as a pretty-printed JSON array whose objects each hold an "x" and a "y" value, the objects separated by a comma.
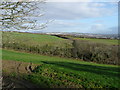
[{"x": 62, "y": 72}]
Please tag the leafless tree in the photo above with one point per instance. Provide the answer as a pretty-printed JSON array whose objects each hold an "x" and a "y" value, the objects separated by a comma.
[{"x": 21, "y": 15}]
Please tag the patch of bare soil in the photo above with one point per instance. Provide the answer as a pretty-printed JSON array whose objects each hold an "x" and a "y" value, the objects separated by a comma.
[{"x": 17, "y": 67}]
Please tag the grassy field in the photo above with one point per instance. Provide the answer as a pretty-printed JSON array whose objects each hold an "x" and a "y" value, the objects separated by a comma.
[
  {"x": 54, "y": 71},
  {"x": 33, "y": 39},
  {"x": 39, "y": 39},
  {"x": 103, "y": 41},
  {"x": 63, "y": 72}
]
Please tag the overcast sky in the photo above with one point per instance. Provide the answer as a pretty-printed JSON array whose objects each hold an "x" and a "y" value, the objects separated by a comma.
[{"x": 83, "y": 17}]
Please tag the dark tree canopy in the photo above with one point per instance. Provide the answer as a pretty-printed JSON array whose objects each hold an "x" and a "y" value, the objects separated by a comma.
[{"x": 21, "y": 15}]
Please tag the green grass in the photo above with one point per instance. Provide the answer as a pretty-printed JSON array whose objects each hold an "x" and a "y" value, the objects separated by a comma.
[
  {"x": 33, "y": 39},
  {"x": 64, "y": 72},
  {"x": 39, "y": 39},
  {"x": 103, "y": 41}
]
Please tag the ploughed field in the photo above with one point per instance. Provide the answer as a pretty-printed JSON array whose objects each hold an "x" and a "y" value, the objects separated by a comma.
[{"x": 44, "y": 61}]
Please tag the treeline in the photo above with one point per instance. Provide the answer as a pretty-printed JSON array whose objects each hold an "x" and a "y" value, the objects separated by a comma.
[{"x": 85, "y": 50}]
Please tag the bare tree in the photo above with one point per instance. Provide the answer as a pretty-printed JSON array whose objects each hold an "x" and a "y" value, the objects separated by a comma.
[{"x": 21, "y": 15}]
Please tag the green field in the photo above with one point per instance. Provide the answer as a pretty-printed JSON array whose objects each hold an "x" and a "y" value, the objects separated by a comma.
[
  {"x": 39, "y": 39},
  {"x": 30, "y": 39},
  {"x": 56, "y": 67},
  {"x": 104, "y": 41},
  {"x": 64, "y": 72}
]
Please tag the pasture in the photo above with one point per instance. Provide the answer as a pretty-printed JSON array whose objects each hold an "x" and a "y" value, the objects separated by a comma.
[
  {"x": 103, "y": 41},
  {"x": 30, "y": 39},
  {"x": 53, "y": 62},
  {"x": 55, "y": 72}
]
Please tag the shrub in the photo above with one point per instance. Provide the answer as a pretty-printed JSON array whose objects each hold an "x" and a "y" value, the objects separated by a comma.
[{"x": 95, "y": 52}]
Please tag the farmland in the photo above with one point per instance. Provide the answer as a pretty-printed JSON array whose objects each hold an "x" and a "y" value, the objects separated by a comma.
[
  {"x": 54, "y": 72},
  {"x": 88, "y": 50},
  {"x": 33, "y": 39},
  {"x": 56, "y": 62},
  {"x": 104, "y": 41}
]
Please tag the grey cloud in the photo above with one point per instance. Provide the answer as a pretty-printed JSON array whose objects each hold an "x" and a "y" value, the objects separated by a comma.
[{"x": 76, "y": 10}]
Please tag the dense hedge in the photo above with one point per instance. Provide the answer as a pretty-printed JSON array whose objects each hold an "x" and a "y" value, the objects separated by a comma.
[
  {"x": 46, "y": 49},
  {"x": 84, "y": 50},
  {"x": 95, "y": 52}
]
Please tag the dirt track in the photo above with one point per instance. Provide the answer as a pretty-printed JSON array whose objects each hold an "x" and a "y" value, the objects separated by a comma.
[{"x": 11, "y": 67}]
